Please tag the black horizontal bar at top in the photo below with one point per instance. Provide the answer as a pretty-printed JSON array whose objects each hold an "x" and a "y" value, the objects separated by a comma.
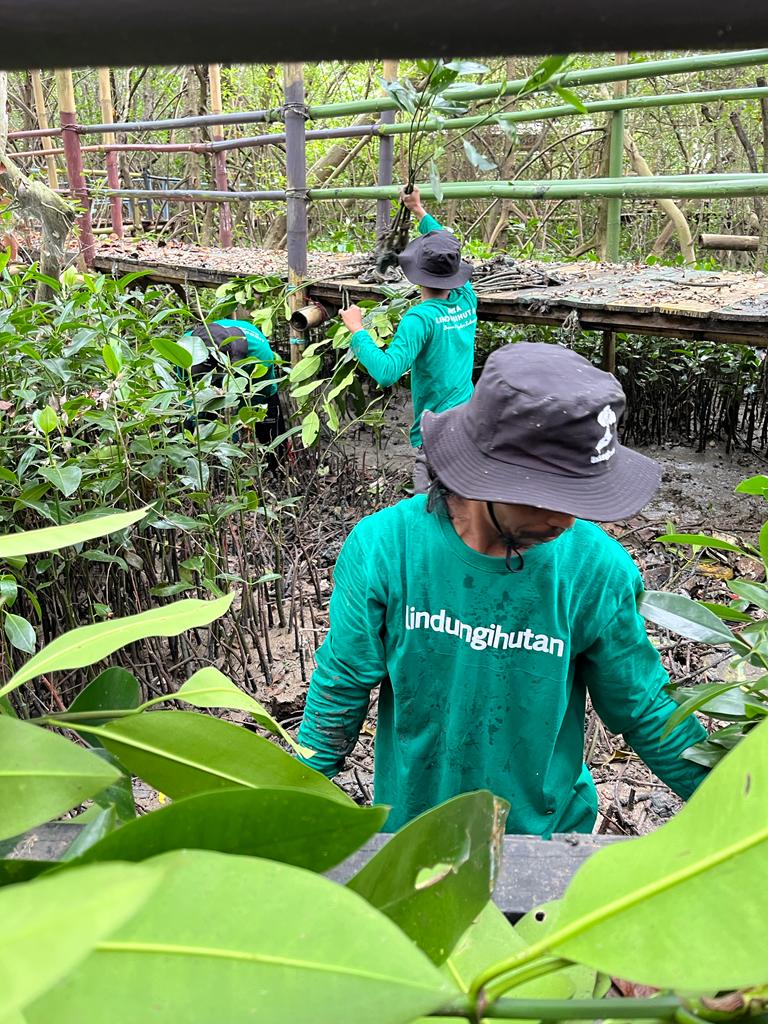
[{"x": 50, "y": 34}]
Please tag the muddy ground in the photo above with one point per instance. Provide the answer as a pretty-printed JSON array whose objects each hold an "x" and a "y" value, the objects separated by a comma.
[{"x": 696, "y": 495}]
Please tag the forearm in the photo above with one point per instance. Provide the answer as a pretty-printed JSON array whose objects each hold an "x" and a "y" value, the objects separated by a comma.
[
  {"x": 664, "y": 756},
  {"x": 333, "y": 716},
  {"x": 387, "y": 365}
]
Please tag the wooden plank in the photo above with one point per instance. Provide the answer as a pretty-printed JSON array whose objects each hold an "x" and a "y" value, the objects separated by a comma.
[{"x": 533, "y": 870}]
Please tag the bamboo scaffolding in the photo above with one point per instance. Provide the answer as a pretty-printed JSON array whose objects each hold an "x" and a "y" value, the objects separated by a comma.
[
  {"x": 113, "y": 172},
  {"x": 78, "y": 189},
  {"x": 220, "y": 158},
  {"x": 42, "y": 120},
  {"x": 296, "y": 194},
  {"x": 707, "y": 186}
]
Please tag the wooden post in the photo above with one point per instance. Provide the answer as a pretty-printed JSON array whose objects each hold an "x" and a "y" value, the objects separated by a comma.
[
  {"x": 113, "y": 172},
  {"x": 608, "y": 362},
  {"x": 42, "y": 120},
  {"x": 296, "y": 193},
  {"x": 386, "y": 155},
  {"x": 615, "y": 167},
  {"x": 220, "y": 158},
  {"x": 65, "y": 91}
]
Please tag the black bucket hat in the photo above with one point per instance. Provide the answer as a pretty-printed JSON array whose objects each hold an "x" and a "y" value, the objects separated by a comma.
[
  {"x": 435, "y": 260},
  {"x": 541, "y": 430}
]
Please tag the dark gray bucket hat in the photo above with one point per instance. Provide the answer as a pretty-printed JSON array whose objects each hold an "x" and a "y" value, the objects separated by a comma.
[
  {"x": 435, "y": 260},
  {"x": 541, "y": 430}
]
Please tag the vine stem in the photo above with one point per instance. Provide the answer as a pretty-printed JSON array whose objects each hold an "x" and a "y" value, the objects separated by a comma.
[{"x": 657, "y": 1008}]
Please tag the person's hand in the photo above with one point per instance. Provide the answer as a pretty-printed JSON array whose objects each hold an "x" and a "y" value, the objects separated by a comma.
[
  {"x": 353, "y": 318},
  {"x": 412, "y": 201}
]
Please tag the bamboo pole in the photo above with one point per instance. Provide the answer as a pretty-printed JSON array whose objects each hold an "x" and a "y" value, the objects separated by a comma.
[
  {"x": 113, "y": 172},
  {"x": 42, "y": 120},
  {"x": 193, "y": 121},
  {"x": 702, "y": 186},
  {"x": 673, "y": 99},
  {"x": 296, "y": 194},
  {"x": 736, "y": 243},
  {"x": 615, "y": 169},
  {"x": 589, "y": 76},
  {"x": 386, "y": 155},
  {"x": 220, "y": 158},
  {"x": 65, "y": 92}
]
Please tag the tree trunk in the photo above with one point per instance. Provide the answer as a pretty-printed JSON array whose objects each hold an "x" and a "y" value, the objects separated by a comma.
[
  {"x": 33, "y": 200},
  {"x": 669, "y": 207}
]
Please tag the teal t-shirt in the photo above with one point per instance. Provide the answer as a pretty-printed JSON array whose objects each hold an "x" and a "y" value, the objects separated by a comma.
[
  {"x": 258, "y": 348},
  {"x": 484, "y": 673},
  {"x": 436, "y": 342}
]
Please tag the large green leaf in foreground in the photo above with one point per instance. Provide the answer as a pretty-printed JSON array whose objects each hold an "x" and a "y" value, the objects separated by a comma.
[
  {"x": 685, "y": 907},
  {"x": 182, "y": 753},
  {"x": 43, "y": 775},
  {"x": 51, "y": 538},
  {"x": 238, "y": 940},
  {"x": 438, "y": 872},
  {"x": 48, "y": 926},
  {"x": 89, "y": 644},
  {"x": 289, "y": 825}
]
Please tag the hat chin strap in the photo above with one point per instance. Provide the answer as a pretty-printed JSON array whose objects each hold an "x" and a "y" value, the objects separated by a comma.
[{"x": 509, "y": 541}]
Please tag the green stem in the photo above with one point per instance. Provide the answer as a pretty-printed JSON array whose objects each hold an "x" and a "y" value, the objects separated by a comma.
[
  {"x": 523, "y": 975},
  {"x": 658, "y": 1008}
]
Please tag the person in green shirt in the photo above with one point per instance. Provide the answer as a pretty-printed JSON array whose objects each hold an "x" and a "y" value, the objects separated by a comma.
[
  {"x": 487, "y": 610},
  {"x": 435, "y": 339},
  {"x": 243, "y": 343}
]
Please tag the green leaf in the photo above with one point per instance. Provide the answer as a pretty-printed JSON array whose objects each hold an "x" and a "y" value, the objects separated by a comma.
[
  {"x": 289, "y": 825},
  {"x": 695, "y": 702},
  {"x": 489, "y": 939},
  {"x": 583, "y": 982},
  {"x": 341, "y": 386},
  {"x": 467, "y": 67},
  {"x": 52, "y": 538},
  {"x": 306, "y": 389},
  {"x": 478, "y": 161},
  {"x": 755, "y": 593},
  {"x": 210, "y": 688},
  {"x": 174, "y": 353},
  {"x": 437, "y": 873},
  {"x": 754, "y": 485},
  {"x": 699, "y": 540},
  {"x": 114, "y": 689},
  {"x": 45, "y": 420},
  {"x": 711, "y": 855},
  {"x": 182, "y": 753},
  {"x": 684, "y": 616},
  {"x": 306, "y": 367},
  {"x": 111, "y": 359},
  {"x": 763, "y": 542},
  {"x": 42, "y": 775},
  {"x": 434, "y": 181},
  {"x": 89, "y": 644},
  {"x": 9, "y": 590},
  {"x": 257, "y": 941},
  {"x": 64, "y": 478},
  {"x": 548, "y": 68},
  {"x": 726, "y": 612},
  {"x": 310, "y": 428},
  {"x": 20, "y": 633},
  {"x": 570, "y": 97},
  {"x": 42, "y": 939}
]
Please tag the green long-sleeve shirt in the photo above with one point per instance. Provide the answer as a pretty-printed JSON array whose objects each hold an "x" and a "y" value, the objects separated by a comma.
[
  {"x": 484, "y": 673},
  {"x": 435, "y": 340}
]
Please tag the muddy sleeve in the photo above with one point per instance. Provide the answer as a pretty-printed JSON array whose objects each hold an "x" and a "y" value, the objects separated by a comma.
[
  {"x": 626, "y": 680},
  {"x": 387, "y": 365},
  {"x": 350, "y": 663}
]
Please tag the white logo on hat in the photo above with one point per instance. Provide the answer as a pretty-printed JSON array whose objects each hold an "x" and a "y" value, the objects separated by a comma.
[{"x": 606, "y": 418}]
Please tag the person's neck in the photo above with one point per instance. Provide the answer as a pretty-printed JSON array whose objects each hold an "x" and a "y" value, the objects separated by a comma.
[
  {"x": 434, "y": 293},
  {"x": 473, "y": 525}
]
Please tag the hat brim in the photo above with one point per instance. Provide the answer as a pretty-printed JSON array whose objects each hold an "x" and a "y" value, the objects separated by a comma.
[
  {"x": 409, "y": 264},
  {"x": 467, "y": 471}
]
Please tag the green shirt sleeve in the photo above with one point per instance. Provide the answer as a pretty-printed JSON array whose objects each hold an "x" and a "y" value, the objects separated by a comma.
[
  {"x": 350, "y": 663},
  {"x": 429, "y": 223},
  {"x": 626, "y": 680},
  {"x": 387, "y": 365}
]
